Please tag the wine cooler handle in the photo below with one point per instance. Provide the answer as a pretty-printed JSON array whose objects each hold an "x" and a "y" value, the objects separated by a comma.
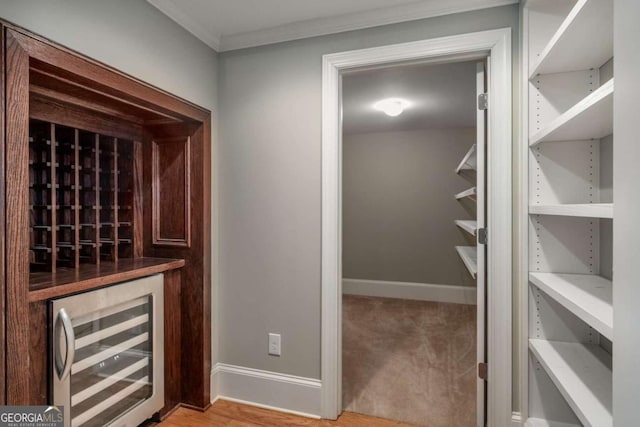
[{"x": 67, "y": 327}]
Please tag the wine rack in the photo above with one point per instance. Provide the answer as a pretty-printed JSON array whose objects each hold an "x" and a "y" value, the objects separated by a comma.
[{"x": 81, "y": 196}]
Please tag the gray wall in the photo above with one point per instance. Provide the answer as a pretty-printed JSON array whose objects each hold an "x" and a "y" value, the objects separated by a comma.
[
  {"x": 268, "y": 211},
  {"x": 626, "y": 289},
  {"x": 130, "y": 35},
  {"x": 270, "y": 103},
  {"x": 135, "y": 38},
  {"x": 398, "y": 206}
]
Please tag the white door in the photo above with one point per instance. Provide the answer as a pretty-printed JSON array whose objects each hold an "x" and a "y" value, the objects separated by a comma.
[{"x": 481, "y": 89}]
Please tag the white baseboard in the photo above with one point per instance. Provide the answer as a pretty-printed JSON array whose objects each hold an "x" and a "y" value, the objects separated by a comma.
[
  {"x": 539, "y": 422},
  {"x": 270, "y": 390},
  {"x": 407, "y": 290}
]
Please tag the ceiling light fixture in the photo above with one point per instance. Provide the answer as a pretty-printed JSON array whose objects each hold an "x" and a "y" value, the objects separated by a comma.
[{"x": 392, "y": 107}]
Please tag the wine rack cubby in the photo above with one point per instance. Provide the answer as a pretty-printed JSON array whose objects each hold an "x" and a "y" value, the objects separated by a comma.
[{"x": 80, "y": 197}]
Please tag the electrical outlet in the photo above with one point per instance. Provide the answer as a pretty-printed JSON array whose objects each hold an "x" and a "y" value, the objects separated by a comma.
[{"x": 274, "y": 344}]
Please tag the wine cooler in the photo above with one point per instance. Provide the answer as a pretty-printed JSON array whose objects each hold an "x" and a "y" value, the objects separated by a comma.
[{"x": 107, "y": 361}]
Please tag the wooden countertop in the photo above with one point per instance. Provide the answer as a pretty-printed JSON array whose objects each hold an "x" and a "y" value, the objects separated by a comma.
[{"x": 64, "y": 282}]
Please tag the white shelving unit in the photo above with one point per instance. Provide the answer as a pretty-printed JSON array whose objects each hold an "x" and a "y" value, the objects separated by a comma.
[
  {"x": 468, "y": 254},
  {"x": 583, "y": 41},
  {"x": 585, "y": 210},
  {"x": 469, "y": 257},
  {"x": 582, "y": 373},
  {"x": 568, "y": 51},
  {"x": 469, "y": 160},
  {"x": 471, "y": 193},
  {"x": 590, "y": 118},
  {"x": 587, "y": 296},
  {"x": 468, "y": 226}
]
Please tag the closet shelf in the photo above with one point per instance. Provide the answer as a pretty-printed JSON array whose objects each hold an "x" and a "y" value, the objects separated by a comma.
[
  {"x": 539, "y": 422},
  {"x": 587, "y": 296},
  {"x": 468, "y": 161},
  {"x": 582, "y": 373},
  {"x": 468, "y": 226},
  {"x": 466, "y": 193},
  {"x": 469, "y": 255},
  {"x": 591, "y": 118},
  {"x": 583, "y": 41},
  {"x": 588, "y": 210}
]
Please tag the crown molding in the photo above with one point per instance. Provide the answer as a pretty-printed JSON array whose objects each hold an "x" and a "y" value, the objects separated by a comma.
[
  {"x": 182, "y": 18},
  {"x": 322, "y": 26},
  {"x": 356, "y": 21}
]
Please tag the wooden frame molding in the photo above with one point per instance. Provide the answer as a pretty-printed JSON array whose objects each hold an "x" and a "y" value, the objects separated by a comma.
[
  {"x": 102, "y": 79},
  {"x": 17, "y": 230},
  {"x": 495, "y": 45},
  {"x": 2, "y": 218},
  {"x": 174, "y": 185}
]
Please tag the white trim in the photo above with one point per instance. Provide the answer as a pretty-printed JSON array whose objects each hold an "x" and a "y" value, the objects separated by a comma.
[
  {"x": 409, "y": 290},
  {"x": 265, "y": 389},
  {"x": 178, "y": 14},
  {"x": 540, "y": 422},
  {"x": 356, "y": 21},
  {"x": 522, "y": 216},
  {"x": 321, "y": 26},
  {"x": 498, "y": 44}
]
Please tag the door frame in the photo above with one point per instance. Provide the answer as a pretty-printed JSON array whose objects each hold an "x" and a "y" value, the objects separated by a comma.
[{"x": 495, "y": 45}]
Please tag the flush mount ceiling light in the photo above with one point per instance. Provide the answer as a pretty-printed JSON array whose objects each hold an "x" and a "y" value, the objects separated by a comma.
[{"x": 392, "y": 107}]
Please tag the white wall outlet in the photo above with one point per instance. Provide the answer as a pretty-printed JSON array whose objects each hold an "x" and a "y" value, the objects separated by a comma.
[{"x": 274, "y": 344}]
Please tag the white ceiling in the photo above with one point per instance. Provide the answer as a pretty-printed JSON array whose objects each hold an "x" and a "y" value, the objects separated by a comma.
[
  {"x": 234, "y": 24},
  {"x": 441, "y": 96}
]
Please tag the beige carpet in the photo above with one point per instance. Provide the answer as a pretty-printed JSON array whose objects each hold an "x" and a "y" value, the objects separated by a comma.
[{"x": 411, "y": 361}]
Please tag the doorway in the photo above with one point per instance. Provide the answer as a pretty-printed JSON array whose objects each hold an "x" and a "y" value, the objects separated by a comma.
[
  {"x": 413, "y": 278},
  {"x": 494, "y": 46}
]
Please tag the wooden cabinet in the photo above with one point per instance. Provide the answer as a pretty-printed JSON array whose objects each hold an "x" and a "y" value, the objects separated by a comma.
[{"x": 105, "y": 179}]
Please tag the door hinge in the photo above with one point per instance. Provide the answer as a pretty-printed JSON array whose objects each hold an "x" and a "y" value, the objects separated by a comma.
[
  {"x": 483, "y": 236},
  {"x": 483, "y": 101},
  {"x": 482, "y": 371}
]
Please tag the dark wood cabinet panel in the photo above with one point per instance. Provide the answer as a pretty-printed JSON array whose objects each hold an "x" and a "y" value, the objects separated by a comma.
[
  {"x": 17, "y": 225},
  {"x": 196, "y": 302},
  {"x": 172, "y": 342},
  {"x": 196, "y": 294},
  {"x": 171, "y": 193},
  {"x": 39, "y": 362},
  {"x": 2, "y": 222},
  {"x": 122, "y": 177}
]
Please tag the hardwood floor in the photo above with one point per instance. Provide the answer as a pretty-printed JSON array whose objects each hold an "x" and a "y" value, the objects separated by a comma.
[{"x": 229, "y": 414}]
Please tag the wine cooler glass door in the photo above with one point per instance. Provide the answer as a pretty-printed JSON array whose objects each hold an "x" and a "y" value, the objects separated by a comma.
[{"x": 107, "y": 354}]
